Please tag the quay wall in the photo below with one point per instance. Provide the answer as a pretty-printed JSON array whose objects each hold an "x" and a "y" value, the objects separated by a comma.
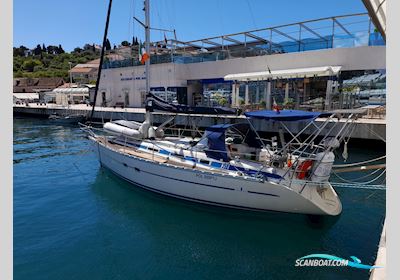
[{"x": 371, "y": 129}]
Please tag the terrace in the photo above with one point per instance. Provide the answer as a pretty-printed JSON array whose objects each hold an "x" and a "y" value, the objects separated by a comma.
[{"x": 345, "y": 31}]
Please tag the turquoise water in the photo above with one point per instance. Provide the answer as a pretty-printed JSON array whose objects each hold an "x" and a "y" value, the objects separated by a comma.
[{"x": 75, "y": 220}]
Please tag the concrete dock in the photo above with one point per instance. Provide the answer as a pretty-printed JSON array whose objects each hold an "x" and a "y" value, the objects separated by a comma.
[
  {"x": 380, "y": 273},
  {"x": 371, "y": 129}
]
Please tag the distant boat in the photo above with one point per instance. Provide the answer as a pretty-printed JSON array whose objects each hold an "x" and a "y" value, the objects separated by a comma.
[{"x": 67, "y": 119}]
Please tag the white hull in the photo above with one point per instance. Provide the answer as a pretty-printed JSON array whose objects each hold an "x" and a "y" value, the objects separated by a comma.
[{"x": 211, "y": 188}]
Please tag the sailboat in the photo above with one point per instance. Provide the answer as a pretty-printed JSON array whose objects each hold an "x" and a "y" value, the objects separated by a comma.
[{"x": 231, "y": 165}]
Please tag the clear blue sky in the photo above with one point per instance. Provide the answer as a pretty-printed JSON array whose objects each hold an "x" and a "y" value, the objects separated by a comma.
[{"x": 73, "y": 23}]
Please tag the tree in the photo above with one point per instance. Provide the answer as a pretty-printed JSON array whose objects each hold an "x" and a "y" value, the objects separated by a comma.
[
  {"x": 30, "y": 64},
  {"x": 108, "y": 45},
  {"x": 115, "y": 47},
  {"x": 125, "y": 43},
  {"x": 222, "y": 101},
  {"x": 51, "y": 49},
  {"x": 60, "y": 50},
  {"x": 37, "y": 50},
  {"x": 20, "y": 51},
  {"x": 87, "y": 47},
  {"x": 53, "y": 64},
  {"x": 93, "y": 48},
  {"x": 77, "y": 50}
]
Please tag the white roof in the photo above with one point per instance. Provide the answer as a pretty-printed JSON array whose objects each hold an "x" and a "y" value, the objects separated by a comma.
[
  {"x": 285, "y": 74},
  {"x": 71, "y": 90},
  {"x": 23, "y": 95},
  {"x": 86, "y": 65}
]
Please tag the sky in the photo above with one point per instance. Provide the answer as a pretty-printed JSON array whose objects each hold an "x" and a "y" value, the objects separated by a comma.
[{"x": 74, "y": 23}]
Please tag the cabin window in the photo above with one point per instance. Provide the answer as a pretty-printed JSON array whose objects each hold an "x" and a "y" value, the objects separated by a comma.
[{"x": 204, "y": 161}]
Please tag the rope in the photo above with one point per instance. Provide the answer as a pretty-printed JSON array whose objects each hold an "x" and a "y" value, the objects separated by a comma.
[
  {"x": 365, "y": 176},
  {"x": 362, "y": 183},
  {"x": 358, "y": 163},
  {"x": 357, "y": 179},
  {"x": 344, "y": 185},
  {"x": 356, "y": 186}
]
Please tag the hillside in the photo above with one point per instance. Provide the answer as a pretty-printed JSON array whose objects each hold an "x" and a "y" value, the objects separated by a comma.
[{"x": 51, "y": 61}]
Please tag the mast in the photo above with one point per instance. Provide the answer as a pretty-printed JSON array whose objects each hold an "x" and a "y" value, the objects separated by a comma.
[
  {"x": 147, "y": 43},
  {"x": 103, "y": 47},
  {"x": 149, "y": 109}
]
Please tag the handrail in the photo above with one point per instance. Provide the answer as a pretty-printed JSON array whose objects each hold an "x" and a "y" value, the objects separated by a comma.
[
  {"x": 89, "y": 128},
  {"x": 277, "y": 26}
]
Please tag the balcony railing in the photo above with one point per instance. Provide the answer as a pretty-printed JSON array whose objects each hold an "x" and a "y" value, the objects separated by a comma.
[{"x": 333, "y": 32}]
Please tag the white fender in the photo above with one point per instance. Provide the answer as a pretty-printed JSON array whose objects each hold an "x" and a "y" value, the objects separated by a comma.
[{"x": 119, "y": 129}]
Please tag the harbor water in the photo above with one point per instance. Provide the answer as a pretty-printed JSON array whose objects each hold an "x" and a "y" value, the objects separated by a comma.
[{"x": 75, "y": 220}]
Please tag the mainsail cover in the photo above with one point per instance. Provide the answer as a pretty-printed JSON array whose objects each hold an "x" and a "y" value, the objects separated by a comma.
[{"x": 155, "y": 103}]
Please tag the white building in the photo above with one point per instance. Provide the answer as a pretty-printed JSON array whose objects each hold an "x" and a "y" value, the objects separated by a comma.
[{"x": 191, "y": 68}]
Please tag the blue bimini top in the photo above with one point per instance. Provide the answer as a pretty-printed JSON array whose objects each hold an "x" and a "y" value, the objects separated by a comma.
[
  {"x": 283, "y": 115},
  {"x": 216, "y": 139}
]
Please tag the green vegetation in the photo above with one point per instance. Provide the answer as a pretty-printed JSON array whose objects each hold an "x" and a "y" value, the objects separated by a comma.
[
  {"x": 288, "y": 103},
  {"x": 50, "y": 61}
]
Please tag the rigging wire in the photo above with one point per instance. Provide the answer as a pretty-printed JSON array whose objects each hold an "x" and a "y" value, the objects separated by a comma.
[
  {"x": 251, "y": 14},
  {"x": 130, "y": 20},
  {"x": 220, "y": 18},
  {"x": 376, "y": 134},
  {"x": 160, "y": 21}
]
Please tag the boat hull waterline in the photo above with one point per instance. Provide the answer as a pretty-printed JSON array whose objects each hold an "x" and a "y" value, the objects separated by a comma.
[{"x": 210, "y": 188}]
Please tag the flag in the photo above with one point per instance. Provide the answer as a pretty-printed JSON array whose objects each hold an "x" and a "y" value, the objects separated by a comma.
[
  {"x": 143, "y": 56},
  {"x": 275, "y": 106}
]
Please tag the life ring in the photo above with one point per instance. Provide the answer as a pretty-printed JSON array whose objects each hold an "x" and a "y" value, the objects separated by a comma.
[{"x": 303, "y": 168}]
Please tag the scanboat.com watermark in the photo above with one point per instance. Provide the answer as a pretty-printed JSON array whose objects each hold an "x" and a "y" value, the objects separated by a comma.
[{"x": 330, "y": 260}]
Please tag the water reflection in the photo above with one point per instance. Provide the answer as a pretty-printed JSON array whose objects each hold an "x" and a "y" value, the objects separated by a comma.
[
  {"x": 73, "y": 219},
  {"x": 252, "y": 242}
]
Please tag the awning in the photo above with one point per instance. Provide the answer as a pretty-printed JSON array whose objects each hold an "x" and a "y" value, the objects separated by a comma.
[
  {"x": 283, "y": 115},
  {"x": 72, "y": 90},
  {"x": 285, "y": 74},
  {"x": 29, "y": 95},
  {"x": 365, "y": 79}
]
